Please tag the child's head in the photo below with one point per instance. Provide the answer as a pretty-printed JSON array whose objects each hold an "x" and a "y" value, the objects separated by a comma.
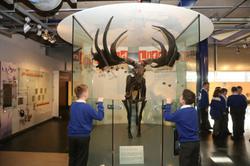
[
  {"x": 217, "y": 92},
  {"x": 206, "y": 85},
  {"x": 240, "y": 89},
  {"x": 224, "y": 91},
  {"x": 82, "y": 92},
  {"x": 187, "y": 98},
  {"x": 234, "y": 89}
]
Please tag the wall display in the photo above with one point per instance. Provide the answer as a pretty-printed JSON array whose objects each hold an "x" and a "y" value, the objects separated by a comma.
[
  {"x": 8, "y": 87},
  {"x": 31, "y": 86}
]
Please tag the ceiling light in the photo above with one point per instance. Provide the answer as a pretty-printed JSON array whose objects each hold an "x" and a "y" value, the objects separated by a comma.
[
  {"x": 39, "y": 30},
  {"x": 52, "y": 39},
  {"x": 45, "y": 35},
  {"x": 1, "y": 17},
  {"x": 26, "y": 28},
  {"x": 27, "y": 19},
  {"x": 245, "y": 45}
]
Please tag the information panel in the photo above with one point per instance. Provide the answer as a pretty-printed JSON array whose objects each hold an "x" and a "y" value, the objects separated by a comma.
[{"x": 131, "y": 155}]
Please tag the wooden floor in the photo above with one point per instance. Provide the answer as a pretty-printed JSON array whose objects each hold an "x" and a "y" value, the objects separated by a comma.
[{"x": 33, "y": 159}]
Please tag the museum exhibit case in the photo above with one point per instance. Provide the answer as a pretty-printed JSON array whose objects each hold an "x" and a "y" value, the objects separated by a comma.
[{"x": 133, "y": 131}]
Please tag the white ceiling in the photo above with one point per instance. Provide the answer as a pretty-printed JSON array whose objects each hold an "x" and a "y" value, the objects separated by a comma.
[{"x": 138, "y": 19}]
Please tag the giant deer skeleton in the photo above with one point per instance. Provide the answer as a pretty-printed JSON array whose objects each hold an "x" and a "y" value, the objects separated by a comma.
[{"x": 135, "y": 84}]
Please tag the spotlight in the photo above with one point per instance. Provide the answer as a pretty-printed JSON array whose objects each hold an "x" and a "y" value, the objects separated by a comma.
[
  {"x": 52, "y": 39},
  {"x": 27, "y": 19},
  {"x": 245, "y": 45},
  {"x": 26, "y": 27},
  {"x": 39, "y": 30},
  {"x": 45, "y": 35}
]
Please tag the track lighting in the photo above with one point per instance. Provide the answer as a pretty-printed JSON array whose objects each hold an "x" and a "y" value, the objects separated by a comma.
[
  {"x": 39, "y": 30},
  {"x": 45, "y": 35},
  {"x": 26, "y": 28},
  {"x": 245, "y": 45},
  {"x": 52, "y": 39},
  {"x": 27, "y": 19}
]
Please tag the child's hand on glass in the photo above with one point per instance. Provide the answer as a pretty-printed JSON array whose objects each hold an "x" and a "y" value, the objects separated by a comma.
[
  {"x": 100, "y": 99},
  {"x": 169, "y": 101}
]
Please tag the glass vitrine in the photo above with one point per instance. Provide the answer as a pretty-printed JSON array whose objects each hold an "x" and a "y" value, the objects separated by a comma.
[{"x": 110, "y": 144}]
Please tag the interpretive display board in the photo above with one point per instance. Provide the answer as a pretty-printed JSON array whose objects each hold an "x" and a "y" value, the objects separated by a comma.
[
  {"x": 131, "y": 155},
  {"x": 25, "y": 98},
  {"x": 8, "y": 96}
]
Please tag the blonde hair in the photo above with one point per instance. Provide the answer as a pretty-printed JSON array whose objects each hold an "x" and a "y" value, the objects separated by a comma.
[{"x": 80, "y": 89}]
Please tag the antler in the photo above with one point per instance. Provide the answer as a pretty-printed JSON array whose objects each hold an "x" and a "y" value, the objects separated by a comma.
[
  {"x": 167, "y": 57},
  {"x": 108, "y": 57}
]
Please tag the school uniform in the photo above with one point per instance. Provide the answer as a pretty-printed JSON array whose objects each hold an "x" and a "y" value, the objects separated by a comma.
[
  {"x": 237, "y": 104},
  {"x": 203, "y": 105},
  {"x": 186, "y": 120},
  {"x": 224, "y": 115},
  {"x": 216, "y": 111},
  {"x": 79, "y": 130}
]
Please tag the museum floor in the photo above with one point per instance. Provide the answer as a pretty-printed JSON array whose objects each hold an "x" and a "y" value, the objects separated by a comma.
[{"x": 46, "y": 144}]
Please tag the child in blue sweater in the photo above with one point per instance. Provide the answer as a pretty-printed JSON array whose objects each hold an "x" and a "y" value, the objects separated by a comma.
[
  {"x": 186, "y": 119},
  {"x": 217, "y": 107},
  {"x": 80, "y": 126},
  {"x": 237, "y": 104}
]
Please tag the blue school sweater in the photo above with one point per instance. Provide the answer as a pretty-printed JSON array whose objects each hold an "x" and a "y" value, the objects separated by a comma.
[
  {"x": 203, "y": 99},
  {"x": 81, "y": 118},
  {"x": 186, "y": 119},
  {"x": 217, "y": 108},
  {"x": 237, "y": 102}
]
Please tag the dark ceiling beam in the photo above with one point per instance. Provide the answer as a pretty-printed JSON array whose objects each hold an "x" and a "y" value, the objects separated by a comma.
[
  {"x": 217, "y": 7},
  {"x": 7, "y": 5},
  {"x": 236, "y": 41},
  {"x": 11, "y": 17},
  {"x": 232, "y": 9},
  {"x": 6, "y": 33}
]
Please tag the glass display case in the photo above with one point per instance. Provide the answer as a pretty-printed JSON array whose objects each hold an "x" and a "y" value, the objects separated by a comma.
[{"x": 110, "y": 144}]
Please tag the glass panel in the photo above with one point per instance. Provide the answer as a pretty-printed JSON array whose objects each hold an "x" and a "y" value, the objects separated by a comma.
[
  {"x": 187, "y": 44},
  {"x": 150, "y": 139},
  {"x": 156, "y": 144},
  {"x": 100, "y": 151}
]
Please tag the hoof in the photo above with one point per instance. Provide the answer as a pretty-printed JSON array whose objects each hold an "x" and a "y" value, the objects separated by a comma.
[
  {"x": 130, "y": 136},
  {"x": 139, "y": 134}
]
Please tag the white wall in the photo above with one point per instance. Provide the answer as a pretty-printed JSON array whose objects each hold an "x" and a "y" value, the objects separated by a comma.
[{"x": 28, "y": 54}]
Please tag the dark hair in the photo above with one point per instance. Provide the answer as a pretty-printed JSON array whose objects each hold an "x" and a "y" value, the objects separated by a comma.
[
  {"x": 223, "y": 90},
  {"x": 217, "y": 87},
  {"x": 80, "y": 89},
  {"x": 217, "y": 92},
  {"x": 205, "y": 83},
  {"x": 234, "y": 89},
  {"x": 188, "y": 96},
  {"x": 239, "y": 87}
]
